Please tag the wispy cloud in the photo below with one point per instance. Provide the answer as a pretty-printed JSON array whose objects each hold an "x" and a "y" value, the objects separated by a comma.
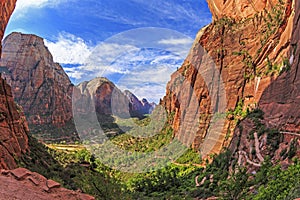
[
  {"x": 179, "y": 45},
  {"x": 148, "y": 71},
  {"x": 23, "y": 6},
  {"x": 69, "y": 49},
  {"x": 142, "y": 65},
  {"x": 176, "y": 41},
  {"x": 148, "y": 82}
]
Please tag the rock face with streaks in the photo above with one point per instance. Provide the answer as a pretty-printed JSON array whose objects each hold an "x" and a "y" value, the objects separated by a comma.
[
  {"x": 281, "y": 100},
  {"x": 7, "y": 7},
  {"x": 231, "y": 63},
  {"x": 138, "y": 107},
  {"x": 39, "y": 85},
  {"x": 13, "y": 128},
  {"x": 107, "y": 99},
  {"x": 13, "y": 125}
]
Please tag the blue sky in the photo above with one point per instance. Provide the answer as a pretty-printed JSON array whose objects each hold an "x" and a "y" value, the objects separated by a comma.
[{"x": 112, "y": 38}]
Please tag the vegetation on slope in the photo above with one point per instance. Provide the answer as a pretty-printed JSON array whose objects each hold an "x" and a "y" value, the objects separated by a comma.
[
  {"x": 71, "y": 170},
  {"x": 76, "y": 168}
]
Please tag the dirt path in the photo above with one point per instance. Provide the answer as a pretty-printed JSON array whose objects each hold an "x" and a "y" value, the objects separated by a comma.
[
  {"x": 257, "y": 150},
  {"x": 290, "y": 133},
  {"x": 248, "y": 160}
]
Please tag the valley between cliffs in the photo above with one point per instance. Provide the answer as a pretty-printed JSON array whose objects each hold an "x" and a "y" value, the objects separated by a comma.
[{"x": 234, "y": 103}]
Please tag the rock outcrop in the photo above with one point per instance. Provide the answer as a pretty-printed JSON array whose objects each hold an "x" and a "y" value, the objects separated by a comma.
[
  {"x": 138, "y": 107},
  {"x": 13, "y": 125},
  {"x": 232, "y": 62},
  {"x": 102, "y": 96},
  {"x": 39, "y": 85},
  {"x": 22, "y": 184}
]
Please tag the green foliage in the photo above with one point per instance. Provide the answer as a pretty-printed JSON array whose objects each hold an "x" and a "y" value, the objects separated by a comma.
[
  {"x": 279, "y": 183},
  {"x": 224, "y": 22},
  {"x": 236, "y": 186},
  {"x": 276, "y": 68},
  {"x": 140, "y": 144},
  {"x": 286, "y": 65},
  {"x": 274, "y": 137},
  {"x": 238, "y": 113},
  {"x": 171, "y": 182},
  {"x": 53, "y": 134},
  {"x": 273, "y": 20},
  {"x": 293, "y": 149},
  {"x": 185, "y": 69},
  {"x": 67, "y": 169},
  {"x": 189, "y": 157},
  {"x": 256, "y": 114},
  {"x": 218, "y": 170}
]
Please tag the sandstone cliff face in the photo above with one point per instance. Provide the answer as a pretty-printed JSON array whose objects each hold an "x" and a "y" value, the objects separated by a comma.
[
  {"x": 98, "y": 95},
  {"x": 39, "y": 85},
  {"x": 7, "y": 8},
  {"x": 13, "y": 128},
  {"x": 281, "y": 100},
  {"x": 13, "y": 125},
  {"x": 239, "y": 8},
  {"x": 232, "y": 62},
  {"x": 104, "y": 97},
  {"x": 138, "y": 107}
]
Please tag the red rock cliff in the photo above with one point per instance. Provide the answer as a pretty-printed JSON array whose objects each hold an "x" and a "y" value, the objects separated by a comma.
[
  {"x": 7, "y": 8},
  {"x": 39, "y": 85},
  {"x": 281, "y": 100},
  {"x": 233, "y": 60},
  {"x": 239, "y": 8},
  {"x": 13, "y": 125},
  {"x": 108, "y": 99},
  {"x": 13, "y": 128}
]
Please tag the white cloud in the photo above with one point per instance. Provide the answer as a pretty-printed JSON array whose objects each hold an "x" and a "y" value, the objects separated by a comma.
[
  {"x": 69, "y": 49},
  {"x": 141, "y": 66},
  {"x": 150, "y": 80},
  {"x": 106, "y": 53},
  {"x": 177, "y": 41},
  {"x": 75, "y": 74},
  {"x": 22, "y": 6}
]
